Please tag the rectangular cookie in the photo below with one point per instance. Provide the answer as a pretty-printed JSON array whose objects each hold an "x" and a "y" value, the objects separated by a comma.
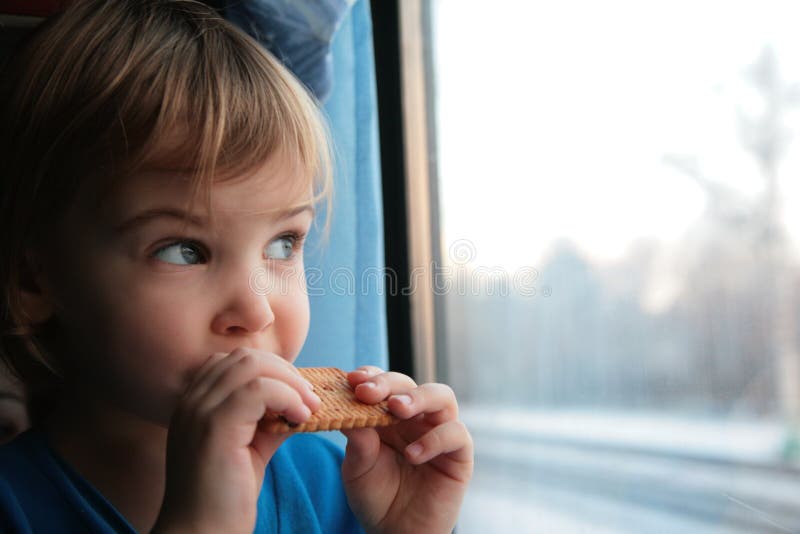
[{"x": 339, "y": 409}]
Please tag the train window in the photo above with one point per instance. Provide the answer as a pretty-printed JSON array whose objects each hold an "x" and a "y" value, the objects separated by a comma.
[{"x": 619, "y": 219}]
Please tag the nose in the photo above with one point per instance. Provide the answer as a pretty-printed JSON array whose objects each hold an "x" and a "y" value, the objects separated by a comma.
[{"x": 245, "y": 309}]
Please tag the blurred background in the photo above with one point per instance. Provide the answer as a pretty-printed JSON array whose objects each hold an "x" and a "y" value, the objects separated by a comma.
[{"x": 619, "y": 204}]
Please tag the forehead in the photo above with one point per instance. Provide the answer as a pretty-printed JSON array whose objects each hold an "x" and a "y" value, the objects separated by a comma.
[{"x": 271, "y": 187}]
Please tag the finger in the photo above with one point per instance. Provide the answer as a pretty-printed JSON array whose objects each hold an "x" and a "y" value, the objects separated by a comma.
[
  {"x": 211, "y": 374},
  {"x": 203, "y": 371},
  {"x": 266, "y": 443},
  {"x": 362, "y": 373},
  {"x": 234, "y": 424},
  {"x": 251, "y": 365},
  {"x": 215, "y": 367},
  {"x": 361, "y": 453},
  {"x": 247, "y": 404},
  {"x": 451, "y": 438},
  {"x": 437, "y": 401},
  {"x": 376, "y": 388}
]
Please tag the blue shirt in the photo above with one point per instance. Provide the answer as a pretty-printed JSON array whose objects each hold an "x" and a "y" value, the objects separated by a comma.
[{"x": 40, "y": 492}]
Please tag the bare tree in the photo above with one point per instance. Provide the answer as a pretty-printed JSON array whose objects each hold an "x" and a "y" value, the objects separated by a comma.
[{"x": 746, "y": 236}]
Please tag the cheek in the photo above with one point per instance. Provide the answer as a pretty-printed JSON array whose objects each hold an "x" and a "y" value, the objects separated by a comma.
[
  {"x": 128, "y": 315},
  {"x": 293, "y": 316},
  {"x": 160, "y": 328},
  {"x": 154, "y": 327},
  {"x": 139, "y": 339}
]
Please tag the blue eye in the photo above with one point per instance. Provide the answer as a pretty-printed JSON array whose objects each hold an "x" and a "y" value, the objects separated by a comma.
[
  {"x": 180, "y": 253},
  {"x": 285, "y": 247},
  {"x": 188, "y": 252}
]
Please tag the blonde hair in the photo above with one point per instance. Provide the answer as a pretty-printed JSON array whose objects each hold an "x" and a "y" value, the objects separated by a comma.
[{"x": 107, "y": 89}]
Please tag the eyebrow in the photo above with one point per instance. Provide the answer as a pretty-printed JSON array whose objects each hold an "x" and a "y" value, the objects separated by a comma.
[{"x": 196, "y": 220}]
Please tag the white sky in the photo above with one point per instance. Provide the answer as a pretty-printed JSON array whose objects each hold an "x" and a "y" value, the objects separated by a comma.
[{"x": 554, "y": 117}]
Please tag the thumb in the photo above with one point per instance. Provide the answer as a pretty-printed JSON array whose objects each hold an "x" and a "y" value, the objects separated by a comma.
[
  {"x": 265, "y": 444},
  {"x": 361, "y": 453}
]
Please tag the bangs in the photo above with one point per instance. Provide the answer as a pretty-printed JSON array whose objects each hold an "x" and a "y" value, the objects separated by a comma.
[
  {"x": 227, "y": 107},
  {"x": 209, "y": 102}
]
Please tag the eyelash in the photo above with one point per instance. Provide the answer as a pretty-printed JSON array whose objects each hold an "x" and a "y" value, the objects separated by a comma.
[{"x": 297, "y": 238}]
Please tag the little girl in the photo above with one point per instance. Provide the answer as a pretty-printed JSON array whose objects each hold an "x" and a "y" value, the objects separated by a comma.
[{"x": 153, "y": 160}]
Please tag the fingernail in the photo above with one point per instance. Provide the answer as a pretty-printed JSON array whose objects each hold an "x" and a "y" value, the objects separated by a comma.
[
  {"x": 405, "y": 399},
  {"x": 367, "y": 384},
  {"x": 309, "y": 385},
  {"x": 414, "y": 450}
]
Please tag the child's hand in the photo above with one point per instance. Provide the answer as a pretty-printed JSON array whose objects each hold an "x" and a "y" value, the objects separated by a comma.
[
  {"x": 410, "y": 477},
  {"x": 216, "y": 456}
]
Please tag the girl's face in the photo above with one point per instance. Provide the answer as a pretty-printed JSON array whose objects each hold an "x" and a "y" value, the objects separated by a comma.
[{"x": 144, "y": 304}]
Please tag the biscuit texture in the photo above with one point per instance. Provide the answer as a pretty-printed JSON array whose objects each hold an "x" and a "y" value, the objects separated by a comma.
[{"x": 339, "y": 409}]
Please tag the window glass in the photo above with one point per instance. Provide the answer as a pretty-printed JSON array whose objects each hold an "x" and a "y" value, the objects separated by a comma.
[{"x": 619, "y": 199}]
